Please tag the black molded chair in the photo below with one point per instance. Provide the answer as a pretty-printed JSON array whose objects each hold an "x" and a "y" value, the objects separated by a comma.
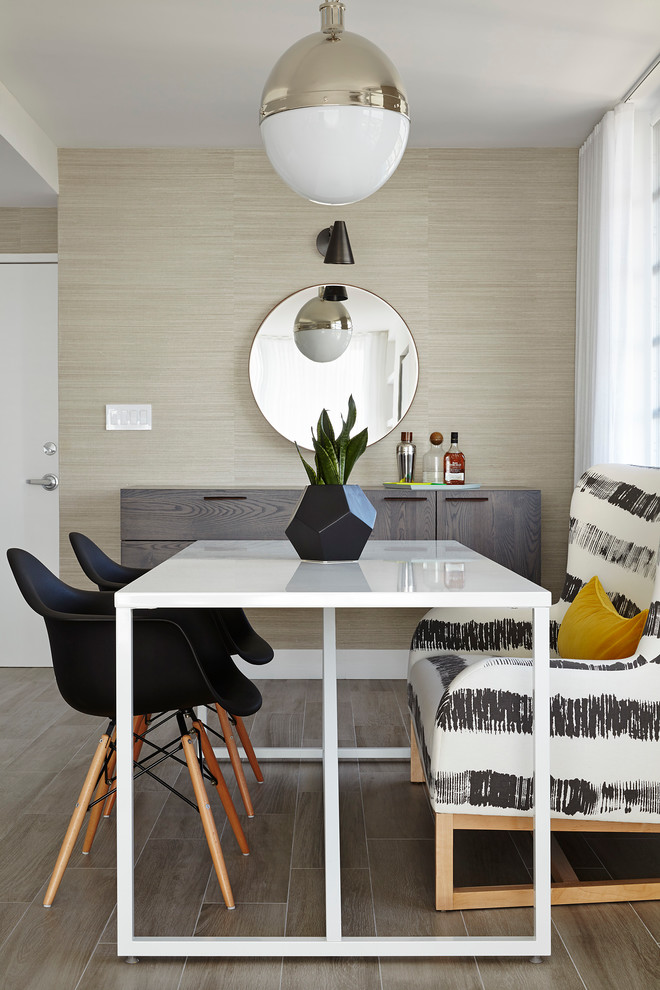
[
  {"x": 238, "y": 635},
  {"x": 235, "y": 632},
  {"x": 171, "y": 673}
]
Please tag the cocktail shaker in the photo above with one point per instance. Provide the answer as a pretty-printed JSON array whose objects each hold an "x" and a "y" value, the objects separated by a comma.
[{"x": 405, "y": 457}]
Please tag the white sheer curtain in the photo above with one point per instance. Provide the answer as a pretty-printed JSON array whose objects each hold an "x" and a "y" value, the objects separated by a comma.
[{"x": 613, "y": 366}]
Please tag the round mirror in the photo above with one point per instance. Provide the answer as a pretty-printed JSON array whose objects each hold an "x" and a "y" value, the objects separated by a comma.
[{"x": 379, "y": 366}]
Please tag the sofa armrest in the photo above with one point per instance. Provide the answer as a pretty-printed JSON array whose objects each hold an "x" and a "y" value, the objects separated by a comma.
[
  {"x": 473, "y": 718},
  {"x": 494, "y": 632}
]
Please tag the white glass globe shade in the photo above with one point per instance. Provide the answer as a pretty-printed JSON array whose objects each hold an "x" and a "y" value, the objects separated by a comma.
[
  {"x": 322, "y": 329},
  {"x": 322, "y": 344},
  {"x": 335, "y": 155}
]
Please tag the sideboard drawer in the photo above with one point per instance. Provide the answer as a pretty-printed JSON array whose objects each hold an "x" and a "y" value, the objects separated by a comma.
[
  {"x": 504, "y": 525},
  {"x": 206, "y": 513},
  {"x": 399, "y": 516},
  {"x": 148, "y": 553}
]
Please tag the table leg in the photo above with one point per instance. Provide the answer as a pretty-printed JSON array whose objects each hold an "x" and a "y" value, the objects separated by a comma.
[
  {"x": 125, "y": 904},
  {"x": 331, "y": 779},
  {"x": 332, "y": 945},
  {"x": 542, "y": 879}
]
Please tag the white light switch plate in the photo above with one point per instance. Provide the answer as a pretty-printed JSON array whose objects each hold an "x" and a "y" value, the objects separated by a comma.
[{"x": 128, "y": 417}]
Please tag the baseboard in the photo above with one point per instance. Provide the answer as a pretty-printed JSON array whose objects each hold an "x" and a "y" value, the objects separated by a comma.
[
  {"x": 351, "y": 665},
  {"x": 18, "y": 660},
  {"x": 303, "y": 664}
]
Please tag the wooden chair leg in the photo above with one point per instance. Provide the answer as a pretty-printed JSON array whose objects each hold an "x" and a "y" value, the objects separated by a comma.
[
  {"x": 140, "y": 723},
  {"x": 230, "y": 742},
  {"x": 99, "y": 803},
  {"x": 444, "y": 862},
  {"x": 249, "y": 750},
  {"x": 416, "y": 768},
  {"x": 75, "y": 824},
  {"x": 109, "y": 802},
  {"x": 222, "y": 788},
  {"x": 207, "y": 820}
]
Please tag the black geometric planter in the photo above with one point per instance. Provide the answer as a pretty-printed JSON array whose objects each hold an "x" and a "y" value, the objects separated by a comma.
[{"x": 331, "y": 522}]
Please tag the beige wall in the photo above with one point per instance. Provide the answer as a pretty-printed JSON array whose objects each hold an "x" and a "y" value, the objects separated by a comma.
[
  {"x": 170, "y": 259},
  {"x": 28, "y": 230}
]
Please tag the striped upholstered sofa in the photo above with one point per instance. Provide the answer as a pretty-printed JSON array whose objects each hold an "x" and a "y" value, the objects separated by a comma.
[{"x": 469, "y": 695}]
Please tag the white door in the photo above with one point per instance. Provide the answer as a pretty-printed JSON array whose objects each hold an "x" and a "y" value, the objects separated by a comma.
[{"x": 29, "y": 514}]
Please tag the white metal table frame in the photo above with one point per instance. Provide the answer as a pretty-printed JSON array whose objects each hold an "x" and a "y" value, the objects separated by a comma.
[{"x": 254, "y": 574}]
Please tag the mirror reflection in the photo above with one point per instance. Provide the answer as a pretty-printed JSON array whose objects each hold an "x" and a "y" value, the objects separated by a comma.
[{"x": 378, "y": 366}]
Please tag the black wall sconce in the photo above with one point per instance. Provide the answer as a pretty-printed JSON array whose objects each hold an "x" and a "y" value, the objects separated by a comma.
[{"x": 334, "y": 245}]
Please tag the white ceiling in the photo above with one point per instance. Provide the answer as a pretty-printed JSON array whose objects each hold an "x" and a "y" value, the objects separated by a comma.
[{"x": 479, "y": 73}]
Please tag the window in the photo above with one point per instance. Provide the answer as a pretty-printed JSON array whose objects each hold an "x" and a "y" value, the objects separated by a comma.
[{"x": 655, "y": 207}]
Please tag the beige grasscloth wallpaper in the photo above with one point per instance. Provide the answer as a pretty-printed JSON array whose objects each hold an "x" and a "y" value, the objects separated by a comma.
[
  {"x": 170, "y": 259},
  {"x": 26, "y": 230}
]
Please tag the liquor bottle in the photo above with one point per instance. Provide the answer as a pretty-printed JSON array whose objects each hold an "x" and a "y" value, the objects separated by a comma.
[
  {"x": 405, "y": 457},
  {"x": 454, "y": 463},
  {"x": 432, "y": 464}
]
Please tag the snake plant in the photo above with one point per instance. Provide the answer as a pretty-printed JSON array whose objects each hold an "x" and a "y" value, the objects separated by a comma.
[{"x": 335, "y": 456}]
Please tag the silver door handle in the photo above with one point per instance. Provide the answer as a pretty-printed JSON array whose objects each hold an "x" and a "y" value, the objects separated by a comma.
[{"x": 49, "y": 482}]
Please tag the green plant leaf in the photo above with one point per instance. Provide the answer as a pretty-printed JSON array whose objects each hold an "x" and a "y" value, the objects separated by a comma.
[
  {"x": 342, "y": 444},
  {"x": 317, "y": 464},
  {"x": 310, "y": 471},
  {"x": 327, "y": 446},
  {"x": 328, "y": 467},
  {"x": 326, "y": 425},
  {"x": 324, "y": 441},
  {"x": 356, "y": 448},
  {"x": 352, "y": 413},
  {"x": 349, "y": 422},
  {"x": 344, "y": 439}
]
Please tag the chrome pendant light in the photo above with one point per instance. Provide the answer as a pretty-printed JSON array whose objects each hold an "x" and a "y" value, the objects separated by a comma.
[
  {"x": 334, "y": 114},
  {"x": 322, "y": 329}
]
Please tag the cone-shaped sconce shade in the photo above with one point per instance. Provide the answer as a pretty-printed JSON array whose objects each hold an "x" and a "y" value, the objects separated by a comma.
[
  {"x": 339, "y": 249},
  {"x": 333, "y": 242}
]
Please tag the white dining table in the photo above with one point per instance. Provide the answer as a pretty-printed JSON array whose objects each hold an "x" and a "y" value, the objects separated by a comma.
[{"x": 389, "y": 574}]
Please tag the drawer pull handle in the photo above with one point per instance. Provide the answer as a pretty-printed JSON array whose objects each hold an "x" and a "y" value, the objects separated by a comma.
[
  {"x": 225, "y": 498},
  {"x": 466, "y": 498},
  {"x": 405, "y": 498}
]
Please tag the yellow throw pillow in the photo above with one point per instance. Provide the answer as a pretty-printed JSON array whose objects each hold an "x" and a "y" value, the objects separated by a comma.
[{"x": 592, "y": 629}]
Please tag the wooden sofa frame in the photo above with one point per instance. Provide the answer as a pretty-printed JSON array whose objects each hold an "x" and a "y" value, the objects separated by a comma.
[{"x": 566, "y": 887}]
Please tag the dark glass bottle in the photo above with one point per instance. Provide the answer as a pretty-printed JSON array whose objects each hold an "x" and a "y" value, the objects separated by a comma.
[{"x": 454, "y": 463}]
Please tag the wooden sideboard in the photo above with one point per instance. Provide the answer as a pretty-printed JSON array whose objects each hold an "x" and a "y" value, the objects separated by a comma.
[{"x": 503, "y": 524}]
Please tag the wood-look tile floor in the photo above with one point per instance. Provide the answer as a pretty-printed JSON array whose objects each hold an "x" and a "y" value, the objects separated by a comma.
[{"x": 387, "y": 857}]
